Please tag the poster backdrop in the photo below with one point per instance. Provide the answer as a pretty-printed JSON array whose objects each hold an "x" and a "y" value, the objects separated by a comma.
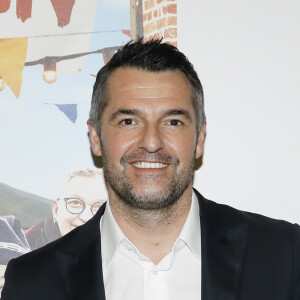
[{"x": 50, "y": 52}]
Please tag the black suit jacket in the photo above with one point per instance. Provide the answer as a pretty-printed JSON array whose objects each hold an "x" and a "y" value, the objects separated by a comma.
[{"x": 244, "y": 257}]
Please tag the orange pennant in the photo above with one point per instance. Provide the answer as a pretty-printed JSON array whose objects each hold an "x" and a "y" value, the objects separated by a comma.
[{"x": 12, "y": 59}]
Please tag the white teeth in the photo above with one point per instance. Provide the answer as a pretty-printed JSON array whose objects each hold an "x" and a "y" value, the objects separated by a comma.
[{"x": 148, "y": 165}]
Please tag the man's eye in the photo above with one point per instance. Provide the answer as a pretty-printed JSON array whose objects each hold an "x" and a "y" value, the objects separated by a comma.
[
  {"x": 127, "y": 122},
  {"x": 75, "y": 203},
  {"x": 175, "y": 123}
]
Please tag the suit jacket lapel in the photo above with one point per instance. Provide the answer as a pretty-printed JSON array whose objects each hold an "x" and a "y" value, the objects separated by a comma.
[
  {"x": 223, "y": 240},
  {"x": 80, "y": 263}
]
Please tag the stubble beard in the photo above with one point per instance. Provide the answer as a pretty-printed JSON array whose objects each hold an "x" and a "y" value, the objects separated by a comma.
[{"x": 161, "y": 200}]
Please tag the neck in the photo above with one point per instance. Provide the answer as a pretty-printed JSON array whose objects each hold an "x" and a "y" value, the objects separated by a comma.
[{"x": 153, "y": 232}]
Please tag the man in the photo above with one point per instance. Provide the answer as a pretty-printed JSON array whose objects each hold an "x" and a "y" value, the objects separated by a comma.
[
  {"x": 157, "y": 238},
  {"x": 80, "y": 197}
]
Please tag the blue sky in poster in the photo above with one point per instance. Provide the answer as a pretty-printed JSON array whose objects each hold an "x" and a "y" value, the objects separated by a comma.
[{"x": 40, "y": 144}]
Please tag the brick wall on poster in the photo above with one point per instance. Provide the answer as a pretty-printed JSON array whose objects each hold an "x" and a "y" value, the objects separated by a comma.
[{"x": 160, "y": 20}]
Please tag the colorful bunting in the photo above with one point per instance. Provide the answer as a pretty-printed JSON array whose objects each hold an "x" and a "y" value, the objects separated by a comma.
[{"x": 12, "y": 59}]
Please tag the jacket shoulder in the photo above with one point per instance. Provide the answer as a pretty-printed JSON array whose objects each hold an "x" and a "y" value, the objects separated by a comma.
[
  {"x": 74, "y": 243},
  {"x": 225, "y": 215}
]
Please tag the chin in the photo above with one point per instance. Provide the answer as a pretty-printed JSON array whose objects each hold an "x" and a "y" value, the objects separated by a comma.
[
  {"x": 149, "y": 192},
  {"x": 65, "y": 231}
]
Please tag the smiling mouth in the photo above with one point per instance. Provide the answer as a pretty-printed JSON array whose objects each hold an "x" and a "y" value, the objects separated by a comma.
[{"x": 149, "y": 165}]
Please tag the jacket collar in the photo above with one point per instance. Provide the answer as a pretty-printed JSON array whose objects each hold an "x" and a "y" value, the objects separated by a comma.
[
  {"x": 223, "y": 243},
  {"x": 223, "y": 240},
  {"x": 79, "y": 261}
]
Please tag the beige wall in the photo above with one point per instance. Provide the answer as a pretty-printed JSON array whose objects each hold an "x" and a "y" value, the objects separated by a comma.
[{"x": 247, "y": 55}]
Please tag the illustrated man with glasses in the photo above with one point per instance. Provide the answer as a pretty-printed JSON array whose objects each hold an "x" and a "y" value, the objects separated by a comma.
[
  {"x": 80, "y": 198},
  {"x": 157, "y": 238}
]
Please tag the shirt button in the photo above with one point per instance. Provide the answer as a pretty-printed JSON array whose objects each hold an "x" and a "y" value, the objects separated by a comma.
[{"x": 154, "y": 272}]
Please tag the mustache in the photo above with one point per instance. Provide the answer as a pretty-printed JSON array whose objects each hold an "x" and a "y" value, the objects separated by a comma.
[{"x": 145, "y": 155}]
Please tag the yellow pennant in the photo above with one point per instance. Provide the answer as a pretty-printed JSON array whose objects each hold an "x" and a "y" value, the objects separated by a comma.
[{"x": 12, "y": 59}]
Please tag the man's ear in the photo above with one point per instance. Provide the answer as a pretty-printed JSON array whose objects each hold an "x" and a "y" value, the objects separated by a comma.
[
  {"x": 94, "y": 139},
  {"x": 54, "y": 208},
  {"x": 200, "y": 141}
]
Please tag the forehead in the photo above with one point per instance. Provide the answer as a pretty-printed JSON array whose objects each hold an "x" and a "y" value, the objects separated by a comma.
[
  {"x": 89, "y": 188},
  {"x": 129, "y": 84}
]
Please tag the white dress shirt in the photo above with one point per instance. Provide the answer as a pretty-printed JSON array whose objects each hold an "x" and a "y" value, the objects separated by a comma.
[{"x": 128, "y": 274}]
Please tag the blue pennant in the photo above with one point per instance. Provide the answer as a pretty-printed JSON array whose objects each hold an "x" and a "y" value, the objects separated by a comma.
[{"x": 70, "y": 110}]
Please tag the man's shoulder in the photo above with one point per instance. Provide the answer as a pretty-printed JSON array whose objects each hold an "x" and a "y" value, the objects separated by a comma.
[
  {"x": 39, "y": 258},
  {"x": 73, "y": 244},
  {"x": 224, "y": 215}
]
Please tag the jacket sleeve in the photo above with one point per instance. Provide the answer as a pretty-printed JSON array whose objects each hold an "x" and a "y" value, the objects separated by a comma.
[
  {"x": 296, "y": 254},
  {"x": 9, "y": 291}
]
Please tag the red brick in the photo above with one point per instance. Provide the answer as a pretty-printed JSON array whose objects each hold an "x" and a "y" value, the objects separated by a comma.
[
  {"x": 155, "y": 14},
  {"x": 170, "y": 33},
  {"x": 166, "y": 33},
  {"x": 146, "y": 38},
  {"x": 150, "y": 27},
  {"x": 173, "y": 32},
  {"x": 172, "y": 8},
  {"x": 149, "y": 16},
  {"x": 160, "y": 1},
  {"x": 162, "y": 23},
  {"x": 144, "y": 18},
  {"x": 148, "y": 4},
  {"x": 165, "y": 10},
  {"x": 172, "y": 20},
  {"x": 155, "y": 36},
  {"x": 158, "y": 35}
]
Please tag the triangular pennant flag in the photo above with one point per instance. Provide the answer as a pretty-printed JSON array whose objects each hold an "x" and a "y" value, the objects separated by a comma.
[
  {"x": 63, "y": 10},
  {"x": 4, "y": 5},
  {"x": 12, "y": 59},
  {"x": 107, "y": 54},
  {"x": 24, "y": 8},
  {"x": 126, "y": 31},
  {"x": 70, "y": 110}
]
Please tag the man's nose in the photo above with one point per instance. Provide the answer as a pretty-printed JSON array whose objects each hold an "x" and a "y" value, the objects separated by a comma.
[
  {"x": 151, "y": 139},
  {"x": 86, "y": 214}
]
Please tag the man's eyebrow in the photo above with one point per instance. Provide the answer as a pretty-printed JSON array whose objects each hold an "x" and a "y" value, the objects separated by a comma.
[
  {"x": 121, "y": 112},
  {"x": 74, "y": 196},
  {"x": 133, "y": 112},
  {"x": 181, "y": 112}
]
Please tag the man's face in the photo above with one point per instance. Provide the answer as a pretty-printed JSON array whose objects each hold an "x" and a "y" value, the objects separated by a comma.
[
  {"x": 90, "y": 190},
  {"x": 148, "y": 138}
]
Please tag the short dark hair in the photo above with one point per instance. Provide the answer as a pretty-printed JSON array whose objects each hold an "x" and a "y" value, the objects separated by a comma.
[{"x": 153, "y": 56}]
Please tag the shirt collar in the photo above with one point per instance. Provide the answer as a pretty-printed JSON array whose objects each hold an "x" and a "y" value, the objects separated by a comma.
[
  {"x": 191, "y": 233},
  {"x": 112, "y": 235}
]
